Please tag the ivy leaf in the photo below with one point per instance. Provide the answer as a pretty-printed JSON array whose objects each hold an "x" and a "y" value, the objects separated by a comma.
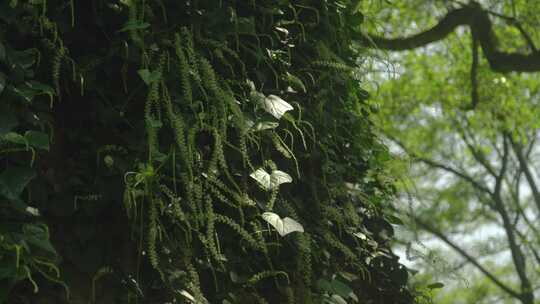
[
  {"x": 283, "y": 226},
  {"x": 37, "y": 235},
  {"x": 270, "y": 181},
  {"x": 276, "y": 106}
]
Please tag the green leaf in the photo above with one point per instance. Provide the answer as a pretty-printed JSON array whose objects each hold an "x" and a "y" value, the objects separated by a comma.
[
  {"x": 270, "y": 181},
  {"x": 295, "y": 82},
  {"x": 14, "y": 138},
  {"x": 149, "y": 77},
  {"x": 283, "y": 226},
  {"x": 335, "y": 287},
  {"x": 246, "y": 25},
  {"x": 155, "y": 123},
  {"x": 37, "y": 235},
  {"x": 392, "y": 219},
  {"x": 37, "y": 139},
  {"x": 25, "y": 59},
  {"x": 341, "y": 288},
  {"x": 31, "y": 89},
  {"x": 40, "y": 88},
  {"x": 436, "y": 285},
  {"x": 13, "y": 181}
]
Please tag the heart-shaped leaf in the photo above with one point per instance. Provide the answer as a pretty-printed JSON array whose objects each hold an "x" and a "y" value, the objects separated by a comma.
[
  {"x": 276, "y": 106},
  {"x": 283, "y": 226},
  {"x": 270, "y": 181},
  {"x": 13, "y": 181}
]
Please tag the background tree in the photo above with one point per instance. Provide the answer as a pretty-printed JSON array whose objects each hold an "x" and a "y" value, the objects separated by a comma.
[
  {"x": 470, "y": 133},
  {"x": 195, "y": 151}
]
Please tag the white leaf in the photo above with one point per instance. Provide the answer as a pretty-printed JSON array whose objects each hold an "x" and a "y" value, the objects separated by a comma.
[
  {"x": 188, "y": 295},
  {"x": 33, "y": 211},
  {"x": 251, "y": 85},
  {"x": 191, "y": 298},
  {"x": 279, "y": 177},
  {"x": 283, "y": 30},
  {"x": 270, "y": 181},
  {"x": 276, "y": 106},
  {"x": 360, "y": 235},
  {"x": 262, "y": 177},
  {"x": 337, "y": 299},
  {"x": 283, "y": 226}
]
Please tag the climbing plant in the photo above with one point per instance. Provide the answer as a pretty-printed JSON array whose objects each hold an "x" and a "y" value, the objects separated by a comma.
[{"x": 195, "y": 151}]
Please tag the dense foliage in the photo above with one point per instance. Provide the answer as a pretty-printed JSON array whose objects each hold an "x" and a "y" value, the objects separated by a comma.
[{"x": 201, "y": 151}]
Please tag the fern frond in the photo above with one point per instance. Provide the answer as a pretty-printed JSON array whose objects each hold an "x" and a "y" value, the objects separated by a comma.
[
  {"x": 267, "y": 274},
  {"x": 246, "y": 236}
]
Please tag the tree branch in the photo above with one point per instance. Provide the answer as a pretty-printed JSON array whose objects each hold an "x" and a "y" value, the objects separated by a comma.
[
  {"x": 527, "y": 297},
  {"x": 513, "y": 21},
  {"x": 517, "y": 254},
  {"x": 474, "y": 72},
  {"x": 478, "y": 21},
  {"x": 477, "y": 154},
  {"x": 526, "y": 170},
  {"x": 468, "y": 257},
  {"x": 457, "y": 173},
  {"x": 438, "y": 165}
]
